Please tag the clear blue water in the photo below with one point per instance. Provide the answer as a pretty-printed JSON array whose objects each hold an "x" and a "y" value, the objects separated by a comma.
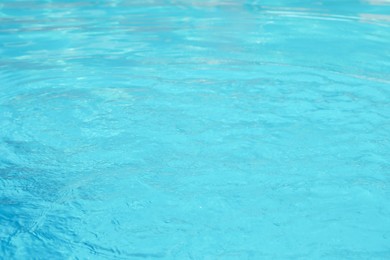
[{"x": 207, "y": 129}]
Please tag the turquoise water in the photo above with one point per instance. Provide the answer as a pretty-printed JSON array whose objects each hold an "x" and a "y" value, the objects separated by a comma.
[{"x": 195, "y": 129}]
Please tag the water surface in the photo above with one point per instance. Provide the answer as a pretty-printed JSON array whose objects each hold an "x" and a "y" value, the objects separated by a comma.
[{"x": 195, "y": 129}]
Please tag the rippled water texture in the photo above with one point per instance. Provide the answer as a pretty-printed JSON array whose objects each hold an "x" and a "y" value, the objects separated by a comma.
[{"x": 208, "y": 129}]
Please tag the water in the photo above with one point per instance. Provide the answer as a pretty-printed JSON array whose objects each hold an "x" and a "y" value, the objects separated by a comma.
[{"x": 195, "y": 129}]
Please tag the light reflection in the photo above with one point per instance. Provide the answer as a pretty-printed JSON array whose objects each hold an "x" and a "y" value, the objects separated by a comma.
[
  {"x": 374, "y": 18},
  {"x": 378, "y": 2}
]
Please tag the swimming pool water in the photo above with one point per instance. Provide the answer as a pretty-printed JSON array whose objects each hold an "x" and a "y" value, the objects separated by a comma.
[{"x": 179, "y": 129}]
